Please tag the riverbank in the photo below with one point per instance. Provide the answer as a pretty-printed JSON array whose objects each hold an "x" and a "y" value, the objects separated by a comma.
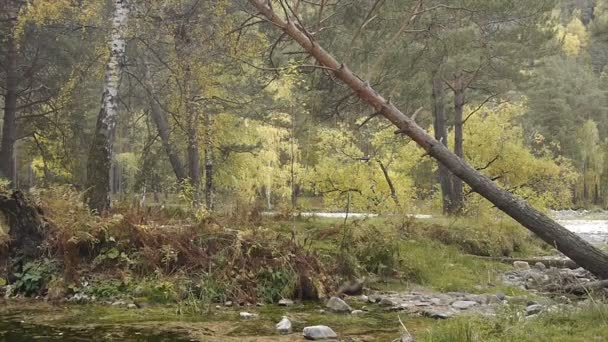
[{"x": 173, "y": 273}]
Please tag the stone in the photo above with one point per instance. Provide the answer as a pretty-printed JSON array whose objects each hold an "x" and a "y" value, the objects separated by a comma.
[
  {"x": 436, "y": 314},
  {"x": 119, "y": 303},
  {"x": 464, "y": 304},
  {"x": 374, "y": 299},
  {"x": 521, "y": 265},
  {"x": 501, "y": 296},
  {"x": 436, "y": 301},
  {"x": 247, "y": 315},
  {"x": 319, "y": 332},
  {"x": 387, "y": 302},
  {"x": 534, "y": 309},
  {"x": 131, "y": 306},
  {"x": 493, "y": 299},
  {"x": 285, "y": 302},
  {"x": 284, "y": 326},
  {"x": 228, "y": 303},
  {"x": 364, "y": 298},
  {"x": 8, "y": 291},
  {"x": 540, "y": 266},
  {"x": 357, "y": 312},
  {"x": 336, "y": 304}
]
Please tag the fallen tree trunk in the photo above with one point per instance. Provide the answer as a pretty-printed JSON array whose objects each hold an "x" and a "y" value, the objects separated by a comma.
[
  {"x": 584, "y": 288},
  {"x": 540, "y": 224},
  {"x": 559, "y": 263}
]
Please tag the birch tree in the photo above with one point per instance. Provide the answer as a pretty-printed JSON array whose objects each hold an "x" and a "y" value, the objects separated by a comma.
[{"x": 100, "y": 155}]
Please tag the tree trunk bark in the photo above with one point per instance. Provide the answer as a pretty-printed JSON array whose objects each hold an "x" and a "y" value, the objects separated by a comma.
[
  {"x": 457, "y": 188},
  {"x": 163, "y": 128},
  {"x": 194, "y": 163},
  {"x": 9, "y": 128},
  {"x": 441, "y": 134},
  {"x": 209, "y": 195},
  {"x": 547, "y": 229},
  {"x": 100, "y": 157}
]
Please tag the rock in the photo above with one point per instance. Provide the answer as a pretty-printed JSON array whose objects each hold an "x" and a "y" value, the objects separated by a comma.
[
  {"x": 493, "y": 299},
  {"x": 284, "y": 326},
  {"x": 521, "y": 265},
  {"x": 540, "y": 266},
  {"x": 464, "y": 304},
  {"x": 319, "y": 332},
  {"x": 336, "y": 304},
  {"x": 131, "y": 306},
  {"x": 475, "y": 298},
  {"x": 364, "y": 298},
  {"x": 8, "y": 291},
  {"x": 501, "y": 296},
  {"x": 217, "y": 307},
  {"x": 119, "y": 303},
  {"x": 357, "y": 312},
  {"x": 436, "y": 314},
  {"x": 436, "y": 301},
  {"x": 534, "y": 309},
  {"x": 247, "y": 315},
  {"x": 285, "y": 302},
  {"x": 405, "y": 338},
  {"x": 374, "y": 299},
  {"x": 387, "y": 302},
  {"x": 228, "y": 303}
]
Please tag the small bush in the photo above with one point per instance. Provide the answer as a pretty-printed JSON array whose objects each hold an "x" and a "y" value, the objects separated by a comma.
[{"x": 34, "y": 276}]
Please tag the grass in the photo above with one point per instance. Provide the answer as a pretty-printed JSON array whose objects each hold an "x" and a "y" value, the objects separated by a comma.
[{"x": 588, "y": 323}]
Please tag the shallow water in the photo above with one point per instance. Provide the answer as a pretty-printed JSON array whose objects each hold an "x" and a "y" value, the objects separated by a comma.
[{"x": 592, "y": 226}]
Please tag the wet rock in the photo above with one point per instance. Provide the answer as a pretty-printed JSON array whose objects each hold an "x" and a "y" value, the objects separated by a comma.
[
  {"x": 464, "y": 304},
  {"x": 534, "y": 309},
  {"x": 228, "y": 303},
  {"x": 247, "y": 315},
  {"x": 501, "y": 296},
  {"x": 319, "y": 332},
  {"x": 521, "y": 265},
  {"x": 364, "y": 298},
  {"x": 357, "y": 312},
  {"x": 336, "y": 304},
  {"x": 540, "y": 266},
  {"x": 284, "y": 326},
  {"x": 119, "y": 303},
  {"x": 285, "y": 302},
  {"x": 131, "y": 306}
]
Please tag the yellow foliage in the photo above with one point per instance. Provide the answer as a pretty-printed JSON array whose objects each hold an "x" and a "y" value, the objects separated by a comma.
[{"x": 495, "y": 142}]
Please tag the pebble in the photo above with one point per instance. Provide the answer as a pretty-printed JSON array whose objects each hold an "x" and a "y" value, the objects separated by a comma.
[{"x": 357, "y": 312}]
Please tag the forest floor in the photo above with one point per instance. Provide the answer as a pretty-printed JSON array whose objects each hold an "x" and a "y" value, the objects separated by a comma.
[{"x": 143, "y": 275}]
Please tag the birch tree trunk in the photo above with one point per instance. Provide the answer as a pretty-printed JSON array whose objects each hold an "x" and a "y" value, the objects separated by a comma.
[
  {"x": 547, "y": 229},
  {"x": 100, "y": 157}
]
